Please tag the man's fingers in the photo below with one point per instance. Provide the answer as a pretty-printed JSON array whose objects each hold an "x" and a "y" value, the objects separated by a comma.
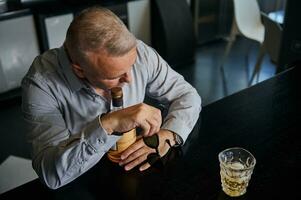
[
  {"x": 158, "y": 117},
  {"x": 144, "y": 166},
  {"x": 150, "y": 127},
  {"x": 150, "y": 119},
  {"x": 134, "y": 147},
  {"x": 155, "y": 127},
  {"x": 134, "y": 155},
  {"x": 135, "y": 162},
  {"x": 147, "y": 117},
  {"x": 145, "y": 127}
]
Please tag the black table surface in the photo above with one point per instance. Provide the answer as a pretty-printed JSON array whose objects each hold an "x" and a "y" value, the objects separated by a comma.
[{"x": 263, "y": 119}]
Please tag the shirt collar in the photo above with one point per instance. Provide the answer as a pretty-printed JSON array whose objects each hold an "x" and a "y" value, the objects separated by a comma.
[{"x": 75, "y": 83}]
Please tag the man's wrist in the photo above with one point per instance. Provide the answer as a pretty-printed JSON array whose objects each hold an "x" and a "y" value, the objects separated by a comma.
[
  {"x": 174, "y": 138},
  {"x": 104, "y": 123}
]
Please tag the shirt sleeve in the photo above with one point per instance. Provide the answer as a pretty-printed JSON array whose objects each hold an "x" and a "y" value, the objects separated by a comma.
[
  {"x": 59, "y": 156},
  {"x": 169, "y": 87}
]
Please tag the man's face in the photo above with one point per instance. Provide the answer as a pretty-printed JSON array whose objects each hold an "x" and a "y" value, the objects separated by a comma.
[{"x": 106, "y": 72}]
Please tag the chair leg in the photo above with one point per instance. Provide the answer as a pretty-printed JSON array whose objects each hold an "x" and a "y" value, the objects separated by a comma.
[
  {"x": 257, "y": 68},
  {"x": 226, "y": 53},
  {"x": 221, "y": 67},
  {"x": 247, "y": 64},
  {"x": 233, "y": 33}
]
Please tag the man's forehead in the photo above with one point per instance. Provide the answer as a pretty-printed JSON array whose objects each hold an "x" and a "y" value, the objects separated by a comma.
[{"x": 115, "y": 66}]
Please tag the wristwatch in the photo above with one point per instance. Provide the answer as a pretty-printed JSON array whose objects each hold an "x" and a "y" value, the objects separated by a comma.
[{"x": 178, "y": 140}]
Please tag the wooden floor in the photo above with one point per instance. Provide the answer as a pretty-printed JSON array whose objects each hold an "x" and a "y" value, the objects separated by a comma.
[{"x": 204, "y": 75}]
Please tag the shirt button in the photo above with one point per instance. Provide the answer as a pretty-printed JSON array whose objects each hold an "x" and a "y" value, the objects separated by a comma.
[{"x": 100, "y": 141}]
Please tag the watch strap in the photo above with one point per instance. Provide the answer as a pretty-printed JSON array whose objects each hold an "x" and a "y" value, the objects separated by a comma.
[{"x": 178, "y": 140}]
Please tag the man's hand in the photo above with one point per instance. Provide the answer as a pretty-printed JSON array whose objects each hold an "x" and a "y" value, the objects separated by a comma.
[
  {"x": 141, "y": 115},
  {"x": 137, "y": 153}
]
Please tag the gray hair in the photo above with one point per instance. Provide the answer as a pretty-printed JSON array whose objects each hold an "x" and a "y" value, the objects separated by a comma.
[{"x": 95, "y": 29}]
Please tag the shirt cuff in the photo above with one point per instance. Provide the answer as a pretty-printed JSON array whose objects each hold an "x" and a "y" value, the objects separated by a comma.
[
  {"x": 98, "y": 138},
  {"x": 177, "y": 127}
]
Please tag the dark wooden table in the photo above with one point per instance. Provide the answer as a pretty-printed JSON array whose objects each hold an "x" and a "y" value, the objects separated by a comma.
[{"x": 262, "y": 119}]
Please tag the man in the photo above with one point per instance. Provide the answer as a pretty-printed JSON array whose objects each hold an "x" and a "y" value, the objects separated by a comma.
[{"x": 66, "y": 99}]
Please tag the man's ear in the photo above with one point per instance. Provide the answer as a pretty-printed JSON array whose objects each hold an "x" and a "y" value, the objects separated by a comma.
[{"x": 78, "y": 70}]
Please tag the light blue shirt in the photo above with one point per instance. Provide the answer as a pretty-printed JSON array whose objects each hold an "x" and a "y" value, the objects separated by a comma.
[{"x": 61, "y": 111}]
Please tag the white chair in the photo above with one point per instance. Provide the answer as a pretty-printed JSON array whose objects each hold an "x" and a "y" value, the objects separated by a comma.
[
  {"x": 270, "y": 45},
  {"x": 246, "y": 22}
]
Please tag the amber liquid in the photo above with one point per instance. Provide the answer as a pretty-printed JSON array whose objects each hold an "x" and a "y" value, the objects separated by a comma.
[
  {"x": 122, "y": 144},
  {"x": 127, "y": 138},
  {"x": 234, "y": 182}
]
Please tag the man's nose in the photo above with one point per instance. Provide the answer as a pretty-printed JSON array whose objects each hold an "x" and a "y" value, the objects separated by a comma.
[{"x": 126, "y": 78}]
